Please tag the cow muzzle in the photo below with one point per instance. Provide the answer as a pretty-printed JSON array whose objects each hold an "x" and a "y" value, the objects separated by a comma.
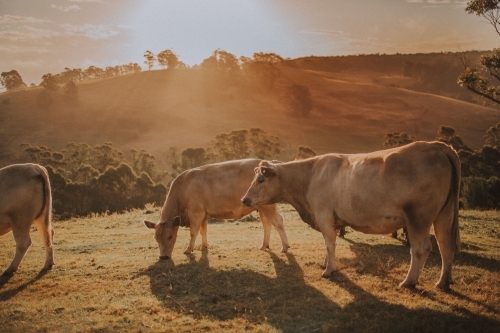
[
  {"x": 164, "y": 257},
  {"x": 247, "y": 201}
]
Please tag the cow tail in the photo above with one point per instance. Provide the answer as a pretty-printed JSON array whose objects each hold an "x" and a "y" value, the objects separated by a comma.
[
  {"x": 47, "y": 197},
  {"x": 453, "y": 197}
]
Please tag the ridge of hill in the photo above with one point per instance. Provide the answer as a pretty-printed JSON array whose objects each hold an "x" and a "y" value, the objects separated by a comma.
[{"x": 356, "y": 101}]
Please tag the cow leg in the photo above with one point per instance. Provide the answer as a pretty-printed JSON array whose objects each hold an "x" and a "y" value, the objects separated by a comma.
[
  {"x": 330, "y": 236},
  {"x": 420, "y": 248},
  {"x": 195, "y": 222},
  {"x": 269, "y": 216},
  {"x": 23, "y": 243},
  {"x": 47, "y": 233},
  {"x": 444, "y": 234},
  {"x": 203, "y": 232}
]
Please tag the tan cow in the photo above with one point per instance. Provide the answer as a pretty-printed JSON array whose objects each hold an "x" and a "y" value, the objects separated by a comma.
[
  {"x": 25, "y": 198},
  {"x": 414, "y": 186},
  {"x": 213, "y": 190}
]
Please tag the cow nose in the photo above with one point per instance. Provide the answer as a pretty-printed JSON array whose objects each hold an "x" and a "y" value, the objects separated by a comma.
[
  {"x": 247, "y": 202},
  {"x": 164, "y": 257}
]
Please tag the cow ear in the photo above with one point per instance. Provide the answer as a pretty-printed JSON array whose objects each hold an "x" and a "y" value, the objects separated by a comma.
[
  {"x": 149, "y": 224},
  {"x": 267, "y": 171},
  {"x": 177, "y": 221}
]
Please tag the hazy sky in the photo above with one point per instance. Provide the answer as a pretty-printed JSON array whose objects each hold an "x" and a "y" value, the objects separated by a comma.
[{"x": 45, "y": 36}]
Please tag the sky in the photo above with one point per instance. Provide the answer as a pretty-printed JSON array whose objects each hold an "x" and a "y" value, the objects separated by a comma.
[{"x": 46, "y": 36}]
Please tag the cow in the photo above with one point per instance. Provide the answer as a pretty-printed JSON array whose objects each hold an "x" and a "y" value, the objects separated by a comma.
[
  {"x": 414, "y": 186},
  {"x": 212, "y": 190},
  {"x": 25, "y": 197}
]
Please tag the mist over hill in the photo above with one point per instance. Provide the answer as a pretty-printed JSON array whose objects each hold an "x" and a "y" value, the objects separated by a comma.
[{"x": 354, "y": 102}]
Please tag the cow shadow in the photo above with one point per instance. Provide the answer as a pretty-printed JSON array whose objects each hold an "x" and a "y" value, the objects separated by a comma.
[
  {"x": 286, "y": 301},
  {"x": 8, "y": 294},
  {"x": 378, "y": 258}
]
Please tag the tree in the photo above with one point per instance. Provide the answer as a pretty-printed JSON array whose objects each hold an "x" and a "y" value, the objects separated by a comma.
[
  {"x": 447, "y": 135},
  {"x": 150, "y": 59},
  {"x": 493, "y": 136},
  {"x": 71, "y": 93},
  {"x": 304, "y": 152},
  {"x": 397, "y": 139},
  {"x": 472, "y": 78},
  {"x": 168, "y": 59},
  {"x": 49, "y": 82},
  {"x": 299, "y": 100},
  {"x": 11, "y": 80},
  {"x": 222, "y": 61},
  {"x": 193, "y": 157}
]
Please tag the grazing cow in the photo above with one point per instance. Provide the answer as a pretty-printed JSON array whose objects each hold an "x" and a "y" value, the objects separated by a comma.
[
  {"x": 414, "y": 186},
  {"x": 213, "y": 190},
  {"x": 25, "y": 198}
]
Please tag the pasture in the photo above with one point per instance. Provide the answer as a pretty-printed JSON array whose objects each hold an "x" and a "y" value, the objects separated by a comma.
[{"x": 108, "y": 278}]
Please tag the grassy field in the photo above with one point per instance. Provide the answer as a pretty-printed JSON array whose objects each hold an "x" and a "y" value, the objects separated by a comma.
[{"x": 107, "y": 278}]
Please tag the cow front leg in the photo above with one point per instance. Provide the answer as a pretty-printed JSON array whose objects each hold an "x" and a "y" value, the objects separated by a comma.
[
  {"x": 330, "y": 236},
  {"x": 23, "y": 243},
  {"x": 195, "y": 221},
  {"x": 267, "y": 233},
  {"x": 270, "y": 216}
]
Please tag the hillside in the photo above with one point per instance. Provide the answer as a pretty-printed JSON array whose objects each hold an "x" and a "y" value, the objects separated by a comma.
[{"x": 354, "y": 106}]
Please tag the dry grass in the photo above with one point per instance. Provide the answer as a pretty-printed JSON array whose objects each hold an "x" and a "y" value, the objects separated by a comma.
[{"x": 108, "y": 278}]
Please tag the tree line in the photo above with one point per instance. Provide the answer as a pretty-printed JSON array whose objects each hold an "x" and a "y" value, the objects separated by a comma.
[{"x": 97, "y": 179}]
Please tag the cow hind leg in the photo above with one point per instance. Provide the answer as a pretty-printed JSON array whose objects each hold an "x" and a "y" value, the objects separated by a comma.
[
  {"x": 23, "y": 243},
  {"x": 420, "y": 248},
  {"x": 203, "y": 232},
  {"x": 444, "y": 236},
  {"x": 47, "y": 234}
]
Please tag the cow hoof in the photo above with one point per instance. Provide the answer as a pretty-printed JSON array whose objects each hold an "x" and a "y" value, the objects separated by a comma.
[
  {"x": 444, "y": 286},
  {"x": 407, "y": 285},
  {"x": 204, "y": 248},
  {"x": 328, "y": 274},
  {"x": 264, "y": 248},
  {"x": 188, "y": 252},
  {"x": 164, "y": 257}
]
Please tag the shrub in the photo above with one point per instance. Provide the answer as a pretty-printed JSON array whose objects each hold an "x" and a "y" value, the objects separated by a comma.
[{"x": 481, "y": 193}]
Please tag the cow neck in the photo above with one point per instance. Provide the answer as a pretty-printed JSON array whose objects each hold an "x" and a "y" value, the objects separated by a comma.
[
  {"x": 295, "y": 179},
  {"x": 170, "y": 208}
]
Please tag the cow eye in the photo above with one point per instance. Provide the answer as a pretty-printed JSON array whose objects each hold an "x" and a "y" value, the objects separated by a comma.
[{"x": 261, "y": 179}]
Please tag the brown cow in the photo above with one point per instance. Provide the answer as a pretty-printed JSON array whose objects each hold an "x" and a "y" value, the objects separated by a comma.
[
  {"x": 414, "y": 186},
  {"x": 25, "y": 198},
  {"x": 213, "y": 190}
]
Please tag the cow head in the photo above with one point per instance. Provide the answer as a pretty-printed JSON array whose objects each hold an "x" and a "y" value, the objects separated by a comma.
[
  {"x": 165, "y": 235},
  {"x": 265, "y": 188}
]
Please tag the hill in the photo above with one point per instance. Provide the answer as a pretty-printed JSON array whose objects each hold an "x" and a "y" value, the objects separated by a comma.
[{"x": 355, "y": 101}]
